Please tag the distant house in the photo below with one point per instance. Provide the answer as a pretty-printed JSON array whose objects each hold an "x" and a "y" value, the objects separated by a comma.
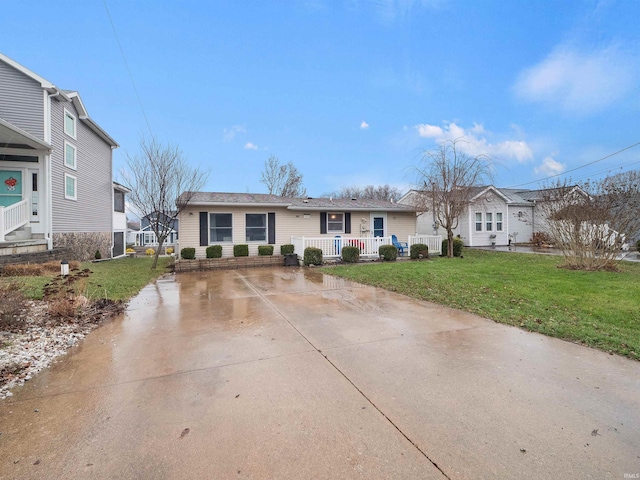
[
  {"x": 261, "y": 219},
  {"x": 56, "y": 185},
  {"x": 146, "y": 237},
  {"x": 495, "y": 216}
]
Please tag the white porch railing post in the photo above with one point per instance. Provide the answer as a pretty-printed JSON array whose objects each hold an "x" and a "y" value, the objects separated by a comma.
[{"x": 1, "y": 224}]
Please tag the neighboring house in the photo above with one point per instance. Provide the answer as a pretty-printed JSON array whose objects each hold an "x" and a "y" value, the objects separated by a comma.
[
  {"x": 261, "y": 219},
  {"x": 496, "y": 216},
  {"x": 56, "y": 185},
  {"x": 145, "y": 236},
  {"x": 119, "y": 219},
  {"x": 133, "y": 228}
]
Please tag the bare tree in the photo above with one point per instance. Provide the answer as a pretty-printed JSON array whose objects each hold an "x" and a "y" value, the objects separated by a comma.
[
  {"x": 282, "y": 180},
  {"x": 446, "y": 180},
  {"x": 381, "y": 192},
  {"x": 591, "y": 223},
  {"x": 157, "y": 177}
]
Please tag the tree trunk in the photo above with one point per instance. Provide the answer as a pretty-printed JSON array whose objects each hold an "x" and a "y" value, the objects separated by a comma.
[
  {"x": 158, "y": 250},
  {"x": 450, "y": 243}
]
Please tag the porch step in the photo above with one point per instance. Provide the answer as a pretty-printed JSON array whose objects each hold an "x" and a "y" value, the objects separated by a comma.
[
  {"x": 22, "y": 233},
  {"x": 22, "y": 246}
]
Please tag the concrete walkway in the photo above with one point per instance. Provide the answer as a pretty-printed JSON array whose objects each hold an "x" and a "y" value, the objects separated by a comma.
[{"x": 289, "y": 373}]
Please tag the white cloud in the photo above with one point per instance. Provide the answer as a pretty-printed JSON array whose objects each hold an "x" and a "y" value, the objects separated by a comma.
[
  {"x": 229, "y": 134},
  {"x": 364, "y": 125},
  {"x": 250, "y": 146},
  {"x": 549, "y": 167},
  {"x": 474, "y": 141},
  {"x": 579, "y": 82},
  {"x": 429, "y": 131}
]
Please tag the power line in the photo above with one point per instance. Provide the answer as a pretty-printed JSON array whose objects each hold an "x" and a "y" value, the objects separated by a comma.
[
  {"x": 126, "y": 64},
  {"x": 577, "y": 168}
]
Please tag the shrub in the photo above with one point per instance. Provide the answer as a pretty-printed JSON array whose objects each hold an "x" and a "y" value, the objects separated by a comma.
[
  {"x": 638, "y": 245},
  {"x": 98, "y": 255},
  {"x": 13, "y": 305},
  {"x": 150, "y": 252},
  {"x": 312, "y": 256},
  {"x": 286, "y": 249},
  {"x": 541, "y": 238},
  {"x": 241, "y": 250},
  {"x": 350, "y": 254},
  {"x": 188, "y": 253},
  {"x": 388, "y": 252},
  {"x": 419, "y": 250},
  {"x": 265, "y": 250},
  {"x": 457, "y": 247},
  {"x": 169, "y": 251},
  {"x": 130, "y": 250},
  {"x": 214, "y": 251}
]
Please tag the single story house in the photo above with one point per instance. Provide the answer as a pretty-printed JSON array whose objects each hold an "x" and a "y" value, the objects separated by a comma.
[{"x": 226, "y": 219}]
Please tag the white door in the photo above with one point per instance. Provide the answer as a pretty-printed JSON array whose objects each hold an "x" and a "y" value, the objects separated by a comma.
[{"x": 378, "y": 224}]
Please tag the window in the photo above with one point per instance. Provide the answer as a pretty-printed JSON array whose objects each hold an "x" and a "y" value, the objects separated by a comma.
[
  {"x": 220, "y": 229},
  {"x": 70, "y": 187},
  {"x": 118, "y": 201},
  {"x": 489, "y": 221},
  {"x": 335, "y": 223},
  {"x": 69, "y": 155},
  {"x": 256, "y": 226},
  {"x": 69, "y": 124},
  {"x": 498, "y": 222},
  {"x": 478, "y": 222}
]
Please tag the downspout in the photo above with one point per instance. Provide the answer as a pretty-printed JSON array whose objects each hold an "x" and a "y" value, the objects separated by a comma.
[
  {"x": 48, "y": 168},
  {"x": 124, "y": 240}
]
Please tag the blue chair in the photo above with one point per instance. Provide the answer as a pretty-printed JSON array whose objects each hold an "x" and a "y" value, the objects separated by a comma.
[{"x": 401, "y": 246}]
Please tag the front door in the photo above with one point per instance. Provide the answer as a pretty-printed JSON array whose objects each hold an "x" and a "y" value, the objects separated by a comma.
[
  {"x": 378, "y": 225},
  {"x": 10, "y": 187}
]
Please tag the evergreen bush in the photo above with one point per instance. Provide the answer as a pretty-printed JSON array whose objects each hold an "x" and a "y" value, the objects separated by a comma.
[
  {"x": 312, "y": 256},
  {"x": 388, "y": 252}
]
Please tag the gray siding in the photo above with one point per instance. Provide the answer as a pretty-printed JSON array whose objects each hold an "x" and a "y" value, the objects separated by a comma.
[
  {"x": 21, "y": 101},
  {"x": 93, "y": 209}
]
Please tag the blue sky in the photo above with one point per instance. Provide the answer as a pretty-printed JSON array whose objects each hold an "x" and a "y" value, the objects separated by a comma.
[{"x": 352, "y": 92}]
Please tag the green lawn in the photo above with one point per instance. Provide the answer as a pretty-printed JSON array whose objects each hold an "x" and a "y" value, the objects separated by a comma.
[
  {"x": 600, "y": 309},
  {"x": 115, "y": 279}
]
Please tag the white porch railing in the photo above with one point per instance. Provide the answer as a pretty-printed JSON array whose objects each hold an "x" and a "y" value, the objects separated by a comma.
[
  {"x": 13, "y": 217},
  {"x": 332, "y": 246},
  {"x": 433, "y": 242}
]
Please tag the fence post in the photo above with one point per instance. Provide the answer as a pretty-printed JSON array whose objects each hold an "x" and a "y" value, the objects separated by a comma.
[{"x": 1, "y": 224}]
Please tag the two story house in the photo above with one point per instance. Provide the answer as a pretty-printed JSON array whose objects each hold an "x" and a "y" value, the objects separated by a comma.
[{"x": 56, "y": 185}]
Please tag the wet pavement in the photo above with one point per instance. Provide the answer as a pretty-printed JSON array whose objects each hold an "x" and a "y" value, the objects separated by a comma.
[{"x": 290, "y": 373}]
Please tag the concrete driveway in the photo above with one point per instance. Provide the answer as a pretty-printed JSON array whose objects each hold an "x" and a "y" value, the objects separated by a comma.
[{"x": 292, "y": 374}]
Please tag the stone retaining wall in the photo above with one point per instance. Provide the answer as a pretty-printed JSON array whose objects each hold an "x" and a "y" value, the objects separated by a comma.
[{"x": 229, "y": 263}]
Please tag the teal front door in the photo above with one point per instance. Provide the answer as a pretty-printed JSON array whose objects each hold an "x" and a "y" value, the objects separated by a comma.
[{"x": 10, "y": 187}]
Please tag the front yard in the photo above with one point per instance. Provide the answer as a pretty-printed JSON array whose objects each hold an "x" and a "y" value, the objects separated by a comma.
[{"x": 599, "y": 309}]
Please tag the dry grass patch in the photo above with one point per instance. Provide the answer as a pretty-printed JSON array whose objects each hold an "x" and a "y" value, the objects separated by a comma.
[{"x": 36, "y": 269}]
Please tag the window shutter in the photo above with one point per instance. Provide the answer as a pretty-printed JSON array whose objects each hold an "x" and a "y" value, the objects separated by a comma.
[
  {"x": 347, "y": 222},
  {"x": 204, "y": 229},
  {"x": 323, "y": 222},
  {"x": 271, "y": 225}
]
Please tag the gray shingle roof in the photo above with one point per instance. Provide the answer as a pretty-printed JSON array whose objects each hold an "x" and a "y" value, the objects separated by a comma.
[{"x": 338, "y": 204}]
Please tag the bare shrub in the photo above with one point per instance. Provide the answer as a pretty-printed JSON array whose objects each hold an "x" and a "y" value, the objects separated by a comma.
[
  {"x": 591, "y": 223},
  {"x": 540, "y": 239},
  {"x": 12, "y": 306}
]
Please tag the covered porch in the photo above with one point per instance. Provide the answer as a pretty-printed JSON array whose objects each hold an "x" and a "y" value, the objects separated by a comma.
[
  {"x": 23, "y": 190},
  {"x": 332, "y": 246}
]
